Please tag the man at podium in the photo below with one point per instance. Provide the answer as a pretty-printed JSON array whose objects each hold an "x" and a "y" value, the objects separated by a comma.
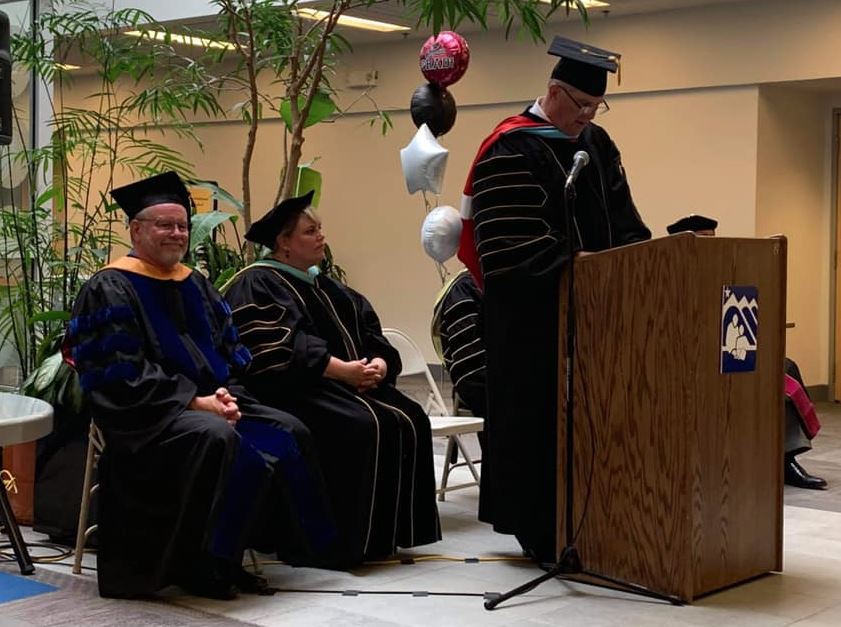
[
  {"x": 515, "y": 243},
  {"x": 802, "y": 422}
]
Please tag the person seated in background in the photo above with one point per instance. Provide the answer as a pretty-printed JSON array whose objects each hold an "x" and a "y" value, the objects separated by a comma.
[
  {"x": 801, "y": 420},
  {"x": 193, "y": 467},
  {"x": 319, "y": 352},
  {"x": 457, "y": 337},
  {"x": 802, "y": 425}
]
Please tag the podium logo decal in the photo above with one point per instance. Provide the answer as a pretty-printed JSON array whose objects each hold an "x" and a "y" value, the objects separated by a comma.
[{"x": 739, "y": 323}]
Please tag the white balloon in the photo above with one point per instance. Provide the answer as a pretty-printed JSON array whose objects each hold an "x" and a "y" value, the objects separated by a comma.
[
  {"x": 424, "y": 161},
  {"x": 440, "y": 233}
]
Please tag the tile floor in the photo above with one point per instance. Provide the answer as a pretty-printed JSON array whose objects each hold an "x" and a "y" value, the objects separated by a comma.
[{"x": 807, "y": 592}]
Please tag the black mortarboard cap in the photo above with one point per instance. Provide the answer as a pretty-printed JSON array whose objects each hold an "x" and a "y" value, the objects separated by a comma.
[
  {"x": 583, "y": 66},
  {"x": 266, "y": 229},
  {"x": 692, "y": 222},
  {"x": 155, "y": 190}
]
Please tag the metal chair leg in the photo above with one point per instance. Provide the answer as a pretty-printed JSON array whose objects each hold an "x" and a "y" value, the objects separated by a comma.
[
  {"x": 445, "y": 474},
  {"x": 255, "y": 563},
  {"x": 467, "y": 459},
  {"x": 82, "y": 531}
]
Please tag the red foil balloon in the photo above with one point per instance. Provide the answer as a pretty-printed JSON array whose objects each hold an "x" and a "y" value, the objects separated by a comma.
[{"x": 444, "y": 59}]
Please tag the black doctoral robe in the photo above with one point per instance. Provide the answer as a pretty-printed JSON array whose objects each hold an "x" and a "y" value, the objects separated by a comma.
[
  {"x": 376, "y": 446},
  {"x": 521, "y": 241},
  {"x": 179, "y": 485},
  {"x": 457, "y": 336}
]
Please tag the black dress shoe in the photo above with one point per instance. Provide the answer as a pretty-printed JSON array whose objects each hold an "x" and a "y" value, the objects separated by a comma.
[
  {"x": 209, "y": 577},
  {"x": 252, "y": 584},
  {"x": 796, "y": 475},
  {"x": 210, "y": 588}
]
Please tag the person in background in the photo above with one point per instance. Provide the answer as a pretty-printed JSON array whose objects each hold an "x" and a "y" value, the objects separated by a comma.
[
  {"x": 319, "y": 352},
  {"x": 457, "y": 338},
  {"x": 801, "y": 419},
  {"x": 194, "y": 470}
]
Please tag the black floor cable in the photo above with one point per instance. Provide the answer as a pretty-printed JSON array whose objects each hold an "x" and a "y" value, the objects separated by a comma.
[{"x": 64, "y": 552}]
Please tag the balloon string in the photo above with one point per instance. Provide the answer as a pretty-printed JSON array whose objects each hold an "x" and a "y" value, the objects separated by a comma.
[
  {"x": 426, "y": 203},
  {"x": 442, "y": 272}
]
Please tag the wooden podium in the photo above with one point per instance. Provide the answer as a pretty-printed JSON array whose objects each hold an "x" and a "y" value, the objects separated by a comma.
[{"x": 678, "y": 467}]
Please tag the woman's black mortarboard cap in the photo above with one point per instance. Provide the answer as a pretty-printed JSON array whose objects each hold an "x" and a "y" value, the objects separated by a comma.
[
  {"x": 155, "y": 190},
  {"x": 692, "y": 222},
  {"x": 582, "y": 66},
  {"x": 266, "y": 229}
]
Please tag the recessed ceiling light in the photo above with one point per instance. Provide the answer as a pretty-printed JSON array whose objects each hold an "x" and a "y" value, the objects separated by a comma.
[
  {"x": 182, "y": 39},
  {"x": 353, "y": 22}
]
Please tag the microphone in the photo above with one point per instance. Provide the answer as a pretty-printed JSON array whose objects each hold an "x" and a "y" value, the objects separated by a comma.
[{"x": 579, "y": 160}]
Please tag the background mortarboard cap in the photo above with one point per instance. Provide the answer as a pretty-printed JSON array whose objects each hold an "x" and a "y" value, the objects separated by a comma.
[
  {"x": 583, "y": 66},
  {"x": 266, "y": 229},
  {"x": 155, "y": 190},
  {"x": 692, "y": 222}
]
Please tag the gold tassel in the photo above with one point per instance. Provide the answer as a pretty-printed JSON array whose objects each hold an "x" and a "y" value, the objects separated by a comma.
[{"x": 8, "y": 481}]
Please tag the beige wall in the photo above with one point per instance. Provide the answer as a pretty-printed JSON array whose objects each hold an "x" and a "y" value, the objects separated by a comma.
[
  {"x": 654, "y": 131},
  {"x": 690, "y": 118},
  {"x": 793, "y": 197}
]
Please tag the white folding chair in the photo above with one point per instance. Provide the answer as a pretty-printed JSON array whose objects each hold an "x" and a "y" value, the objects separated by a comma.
[
  {"x": 443, "y": 424},
  {"x": 96, "y": 444}
]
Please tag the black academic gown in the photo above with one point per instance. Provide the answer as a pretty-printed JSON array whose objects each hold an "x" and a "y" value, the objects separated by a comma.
[
  {"x": 457, "y": 330},
  {"x": 178, "y": 485},
  {"x": 521, "y": 240},
  {"x": 376, "y": 446}
]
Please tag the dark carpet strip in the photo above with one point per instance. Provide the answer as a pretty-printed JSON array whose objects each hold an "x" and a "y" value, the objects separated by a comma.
[{"x": 76, "y": 602}]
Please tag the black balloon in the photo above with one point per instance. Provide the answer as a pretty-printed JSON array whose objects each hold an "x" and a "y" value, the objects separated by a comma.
[{"x": 434, "y": 106}]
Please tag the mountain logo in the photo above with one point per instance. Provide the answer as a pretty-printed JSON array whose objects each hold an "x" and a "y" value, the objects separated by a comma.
[{"x": 739, "y": 326}]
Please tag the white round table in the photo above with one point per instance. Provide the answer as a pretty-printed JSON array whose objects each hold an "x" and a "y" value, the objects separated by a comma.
[{"x": 22, "y": 419}]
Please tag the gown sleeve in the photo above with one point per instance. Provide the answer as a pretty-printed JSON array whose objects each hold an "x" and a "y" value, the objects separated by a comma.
[
  {"x": 462, "y": 343},
  {"x": 128, "y": 393},
  {"x": 373, "y": 342},
  {"x": 276, "y": 331},
  {"x": 627, "y": 223},
  {"x": 514, "y": 235}
]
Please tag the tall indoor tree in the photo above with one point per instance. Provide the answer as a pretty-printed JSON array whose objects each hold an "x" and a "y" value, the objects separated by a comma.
[{"x": 300, "y": 51}]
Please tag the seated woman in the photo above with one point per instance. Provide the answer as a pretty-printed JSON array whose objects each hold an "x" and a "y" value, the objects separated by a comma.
[{"x": 318, "y": 351}]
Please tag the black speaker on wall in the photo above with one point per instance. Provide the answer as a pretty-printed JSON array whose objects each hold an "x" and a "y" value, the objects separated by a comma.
[{"x": 5, "y": 82}]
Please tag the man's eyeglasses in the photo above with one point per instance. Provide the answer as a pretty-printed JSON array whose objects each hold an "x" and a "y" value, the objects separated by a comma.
[
  {"x": 588, "y": 109},
  {"x": 170, "y": 226}
]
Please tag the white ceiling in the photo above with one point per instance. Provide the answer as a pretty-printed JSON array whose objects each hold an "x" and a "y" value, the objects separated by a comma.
[
  {"x": 394, "y": 12},
  {"x": 390, "y": 11}
]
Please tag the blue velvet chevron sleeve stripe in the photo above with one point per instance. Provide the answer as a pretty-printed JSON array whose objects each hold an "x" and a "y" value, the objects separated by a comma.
[
  {"x": 129, "y": 391},
  {"x": 104, "y": 346}
]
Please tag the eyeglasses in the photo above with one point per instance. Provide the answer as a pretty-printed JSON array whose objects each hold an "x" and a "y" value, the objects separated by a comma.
[
  {"x": 170, "y": 226},
  {"x": 588, "y": 109}
]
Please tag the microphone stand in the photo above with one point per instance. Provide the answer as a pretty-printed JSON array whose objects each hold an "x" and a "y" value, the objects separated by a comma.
[{"x": 569, "y": 566}]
